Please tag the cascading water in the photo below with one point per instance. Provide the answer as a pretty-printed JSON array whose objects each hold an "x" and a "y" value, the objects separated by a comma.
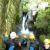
[
  {"x": 23, "y": 23},
  {"x": 24, "y": 30}
]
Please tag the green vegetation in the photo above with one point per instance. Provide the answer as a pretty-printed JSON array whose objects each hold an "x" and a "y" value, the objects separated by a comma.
[{"x": 10, "y": 17}]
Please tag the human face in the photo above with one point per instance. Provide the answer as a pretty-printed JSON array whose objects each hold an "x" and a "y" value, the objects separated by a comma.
[{"x": 46, "y": 45}]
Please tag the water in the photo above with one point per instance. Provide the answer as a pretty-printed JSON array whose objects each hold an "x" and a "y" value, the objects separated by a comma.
[{"x": 24, "y": 29}]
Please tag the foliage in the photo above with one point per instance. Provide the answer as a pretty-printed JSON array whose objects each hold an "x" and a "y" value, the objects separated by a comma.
[
  {"x": 41, "y": 21},
  {"x": 42, "y": 37},
  {"x": 43, "y": 18},
  {"x": 12, "y": 14},
  {"x": 9, "y": 14},
  {"x": 48, "y": 36},
  {"x": 25, "y": 5},
  {"x": 48, "y": 17},
  {"x": 9, "y": 17},
  {"x": 0, "y": 41}
]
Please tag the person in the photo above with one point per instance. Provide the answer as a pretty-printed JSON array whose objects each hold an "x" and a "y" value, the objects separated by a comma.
[
  {"x": 5, "y": 40},
  {"x": 46, "y": 45},
  {"x": 32, "y": 39},
  {"x": 12, "y": 41},
  {"x": 17, "y": 45},
  {"x": 31, "y": 47},
  {"x": 9, "y": 42},
  {"x": 36, "y": 44},
  {"x": 24, "y": 44},
  {"x": 11, "y": 46}
]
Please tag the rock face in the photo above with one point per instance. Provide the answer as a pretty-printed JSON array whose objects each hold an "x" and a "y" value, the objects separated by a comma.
[
  {"x": 37, "y": 6},
  {"x": 43, "y": 5}
]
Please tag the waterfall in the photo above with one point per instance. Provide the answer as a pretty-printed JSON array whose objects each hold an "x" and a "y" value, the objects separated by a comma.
[
  {"x": 24, "y": 29},
  {"x": 23, "y": 23}
]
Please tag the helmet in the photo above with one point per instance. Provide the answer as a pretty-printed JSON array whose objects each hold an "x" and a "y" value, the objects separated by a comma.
[
  {"x": 17, "y": 36},
  {"x": 31, "y": 36},
  {"x": 12, "y": 35},
  {"x": 24, "y": 36},
  {"x": 47, "y": 41}
]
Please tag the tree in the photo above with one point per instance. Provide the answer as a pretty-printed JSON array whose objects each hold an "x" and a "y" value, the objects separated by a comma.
[
  {"x": 41, "y": 21},
  {"x": 12, "y": 14},
  {"x": 9, "y": 15},
  {"x": 2, "y": 15},
  {"x": 48, "y": 18}
]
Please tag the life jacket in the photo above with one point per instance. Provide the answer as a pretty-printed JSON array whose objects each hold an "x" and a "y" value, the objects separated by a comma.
[
  {"x": 31, "y": 48},
  {"x": 11, "y": 47}
]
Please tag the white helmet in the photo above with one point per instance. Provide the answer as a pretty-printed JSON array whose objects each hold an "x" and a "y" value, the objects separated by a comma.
[{"x": 12, "y": 35}]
